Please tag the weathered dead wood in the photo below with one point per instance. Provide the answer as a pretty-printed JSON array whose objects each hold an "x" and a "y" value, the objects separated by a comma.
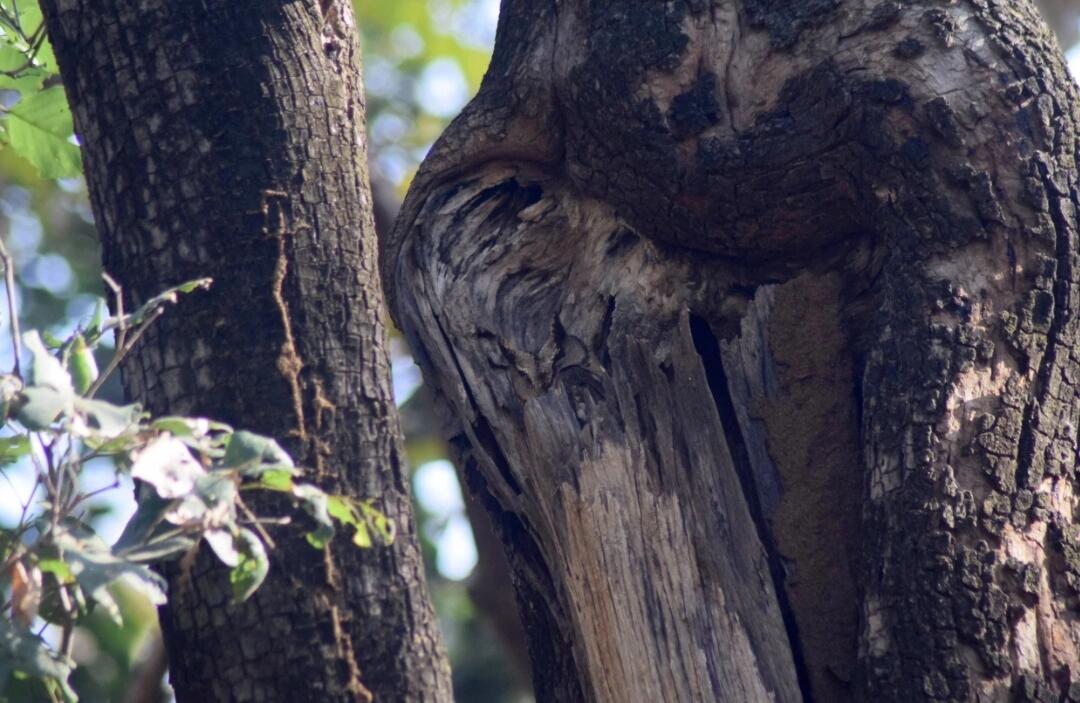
[{"x": 758, "y": 320}]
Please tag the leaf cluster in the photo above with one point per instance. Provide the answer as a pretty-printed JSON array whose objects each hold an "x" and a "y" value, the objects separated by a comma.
[
  {"x": 192, "y": 474},
  {"x": 35, "y": 120}
]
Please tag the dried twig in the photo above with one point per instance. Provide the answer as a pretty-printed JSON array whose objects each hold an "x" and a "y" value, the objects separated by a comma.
[{"x": 9, "y": 286}]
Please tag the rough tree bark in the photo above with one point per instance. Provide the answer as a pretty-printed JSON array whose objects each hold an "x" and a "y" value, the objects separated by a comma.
[
  {"x": 225, "y": 138},
  {"x": 1063, "y": 16},
  {"x": 758, "y": 322}
]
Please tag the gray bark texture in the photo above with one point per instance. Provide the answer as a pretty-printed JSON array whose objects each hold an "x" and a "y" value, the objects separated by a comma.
[
  {"x": 1063, "y": 17},
  {"x": 757, "y": 325},
  {"x": 225, "y": 138}
]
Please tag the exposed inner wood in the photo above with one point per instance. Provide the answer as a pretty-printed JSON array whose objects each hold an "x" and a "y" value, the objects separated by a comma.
[{"x": 871, "y": 209}]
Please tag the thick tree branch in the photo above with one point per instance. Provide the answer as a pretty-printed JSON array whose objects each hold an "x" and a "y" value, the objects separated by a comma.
[{"x": 224, "y": 138}]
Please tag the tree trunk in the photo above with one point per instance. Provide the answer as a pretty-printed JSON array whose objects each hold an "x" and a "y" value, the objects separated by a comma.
[
  {"x": 225, "y": 138},
  {"x": 758, "y": 323},
  {"x": 1063, "y": 16}
]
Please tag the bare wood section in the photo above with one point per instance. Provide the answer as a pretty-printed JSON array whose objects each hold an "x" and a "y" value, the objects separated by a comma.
[{"x": 789, "y": 287}]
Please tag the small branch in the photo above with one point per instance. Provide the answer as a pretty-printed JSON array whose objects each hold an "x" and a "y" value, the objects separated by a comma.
[
  {"x": 83, "y": 497},
  {"x": 9, "y": 287},
  {"x": 256, "y": 523},
  {"x": 118, "y": 293},
  {"x": 35, "y": 43},
  {"x": 122, "y": 350}
]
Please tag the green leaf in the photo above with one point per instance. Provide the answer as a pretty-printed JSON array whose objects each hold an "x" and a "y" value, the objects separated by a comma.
[
  {"x": 192, "y": 286},
  {"x": 362, "y": 517},
  {"x": 97, "y": 322},
  {"x": 24, "y": 651},
  {"x": 147, "y": 536},
  {"x": 160, "y": 549},
  {"x": 51, "y": 340},
  {"x": 149, "y": 514},
  {"x": 362, "y": 537},
  {"x": 168, "y": 466},
  {"x": 39, "y": 128},
  {"x": 225, "y": 546},
  {"x": 46, "y": 57},
  {"x": 38, "y": 407},
  {"x": 251, "y": 571},
  {"x": 95, "y": 568},
  {"x": 275, "y": 480},
  {"x": 82, "y": 364},
  {"x": 46, "y": 371},
  {"x": 253, "y": 454},
  {"x": 27, "y": 81},
  {"x": 107, "y": 420},
  {"x": 168, "y": 296},
  {"x": 186, "y": 426},
  {"x": 58, "y": 568},
  {"x": 13, "y": 448},
  {"x": 340, "y": 508},
  {"x": 212, "y": 502},
  {"x": 120, "y": 445},
  {"x": 30, "y": 19},
  {"x": 314, "y": 502},
  {"x": 379, "y": 522}
]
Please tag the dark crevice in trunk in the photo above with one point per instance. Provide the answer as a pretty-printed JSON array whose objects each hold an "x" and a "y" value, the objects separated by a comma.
[
  {"x": 486, "y": 438},
  {"x": 1060, "y": 271},
  {"x": 708, "y": 348}
]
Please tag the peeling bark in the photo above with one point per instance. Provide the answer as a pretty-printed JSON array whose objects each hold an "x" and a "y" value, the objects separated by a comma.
[
  {"x": 225, "y": 138},
  {"x": 758, "y": 321}
]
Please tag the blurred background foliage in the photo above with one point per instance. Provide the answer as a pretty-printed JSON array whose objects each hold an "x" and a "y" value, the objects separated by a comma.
[{"x": 423, "y": 60}]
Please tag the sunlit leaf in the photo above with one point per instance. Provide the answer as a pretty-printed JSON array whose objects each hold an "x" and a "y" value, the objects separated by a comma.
[
  {"x": 189, "y": 511},
  {"x": 168, "y": 466},
  {"x": 38, "y": 406},
  {"x": 46, "y": 370},
  {"x": 39, "y": 128},
  {"x": 225, "y": 546},
  {"x": 314, "y": 502},
  {"x": 28, "y": 79},
  {"x": 30, "y": 18},
  {"x": 83, "y": 366},
  {"x": 211, "y": 503},
  {"x": 58, "y": 568},
  {"x": 251, "y": 571},
  {"x": 169, "y": 296},
  {"x": 188, "y": 426},
  {"x": 280, "y": 480},
  {"x": 362, "y": 517}
]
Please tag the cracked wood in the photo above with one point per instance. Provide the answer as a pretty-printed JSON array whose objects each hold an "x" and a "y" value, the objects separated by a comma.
[{"x": 615, "y": 220}]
